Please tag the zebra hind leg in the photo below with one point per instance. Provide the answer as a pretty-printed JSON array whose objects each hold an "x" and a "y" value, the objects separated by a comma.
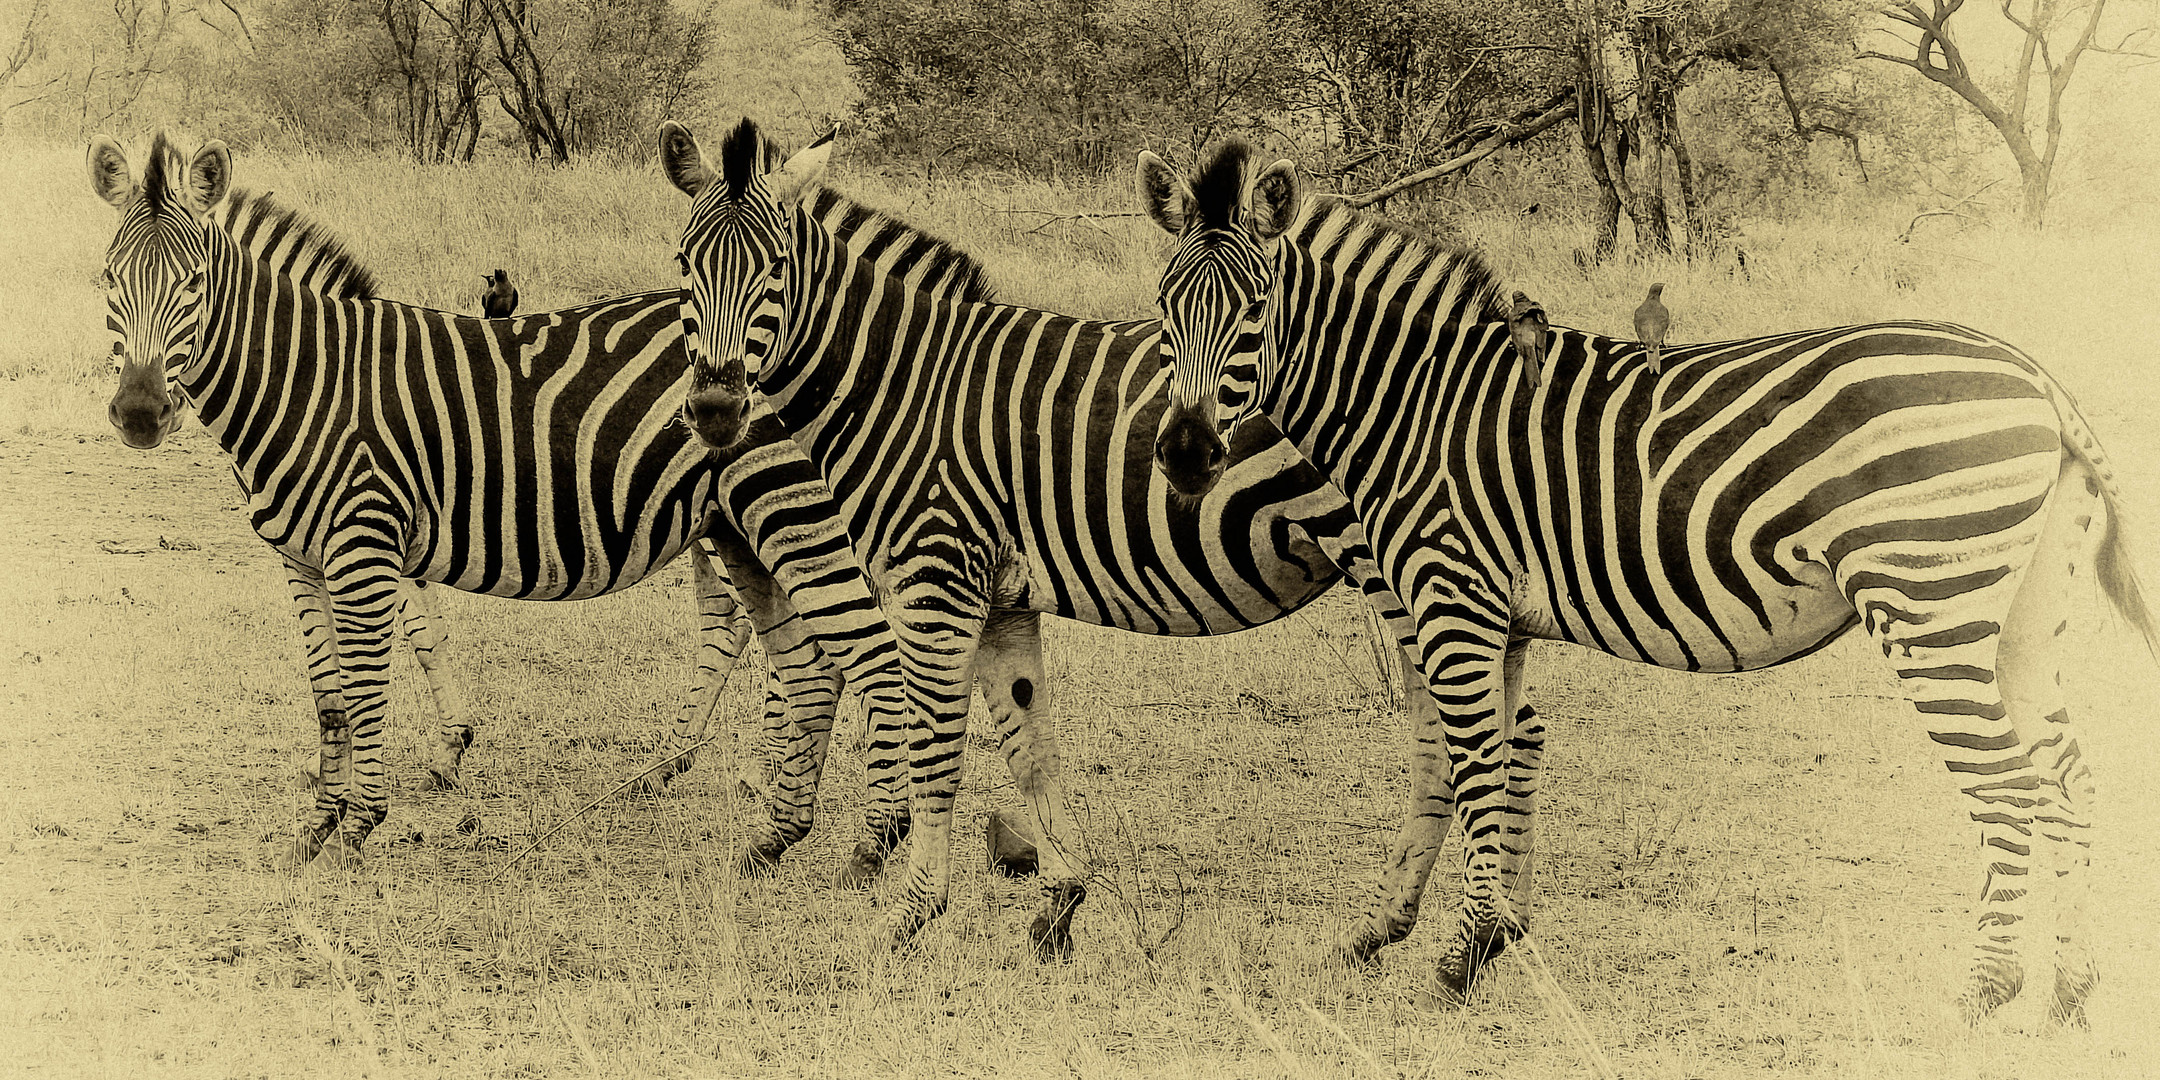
[
  {"x": 429, "y": 635},
  {"x": 1009, "y": 670},
  {"x": 886, "y": 819},
  {"x": 2031, "y": 662},
  {"x": 1946, "y": 645}
]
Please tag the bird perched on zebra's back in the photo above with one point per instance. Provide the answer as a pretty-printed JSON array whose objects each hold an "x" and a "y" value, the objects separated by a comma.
[
  {"x": 500, "y": 300},
  {"x": 1651, "y": 322},
  {"x": 1526, "y": 328}
]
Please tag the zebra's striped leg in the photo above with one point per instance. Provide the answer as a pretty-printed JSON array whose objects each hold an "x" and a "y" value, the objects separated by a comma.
[
  {"x": 429, "y": 635},
  {"x": 2030, "y": 665},
  {"x": 1417, "y": 843},
  {"x": 939, "y": 617},
  {"x": 1469, "y": 684},
  {"x": 1009, "y": 670},
  {"x": 328, "y": 775},
  {"x": 362, "y": 578},
  {"x": 885, "y": 818},
  {"x": 1944, "y": 644},
  {"x": 1526, "y": 753},
  {"x": 797, "y": 745},
  {"x": 723, "y": 633}
]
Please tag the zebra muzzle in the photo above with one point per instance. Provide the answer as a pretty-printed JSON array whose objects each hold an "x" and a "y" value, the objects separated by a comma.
[{"x": 1189, "y": 452}]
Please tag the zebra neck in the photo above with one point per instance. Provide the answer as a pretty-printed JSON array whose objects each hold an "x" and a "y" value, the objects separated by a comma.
[
  {"x": 837, "y": 350},
  {"x": 264, "y": 346},
  {"x": 1349, "y": 359}
]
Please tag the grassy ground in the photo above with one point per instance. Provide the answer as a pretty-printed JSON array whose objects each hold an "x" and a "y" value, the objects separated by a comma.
[{"x": 1738, "y": 875}]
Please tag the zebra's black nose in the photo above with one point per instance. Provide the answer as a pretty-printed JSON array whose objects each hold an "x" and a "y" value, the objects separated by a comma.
[
  {"x": 1189, "y": 452},
  {"x": 717, "y": 415}
]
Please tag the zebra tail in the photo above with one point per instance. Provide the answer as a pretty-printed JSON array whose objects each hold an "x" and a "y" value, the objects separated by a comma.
[{"x": 2117, "y": 574}]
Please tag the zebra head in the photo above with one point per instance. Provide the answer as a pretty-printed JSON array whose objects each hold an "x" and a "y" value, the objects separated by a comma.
[
  {"x": 1214, "y": 299},
  {"x": 734, "y": 258},
  {"x": 155, "y": 275}
]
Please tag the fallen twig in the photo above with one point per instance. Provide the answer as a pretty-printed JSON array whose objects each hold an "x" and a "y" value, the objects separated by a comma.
[{"x": 665, "y": 760}]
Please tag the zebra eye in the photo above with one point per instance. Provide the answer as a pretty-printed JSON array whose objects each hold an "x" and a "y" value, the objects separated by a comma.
[
  {"x": 682, "y": 262},
  {"x": 106, "y": 278}
]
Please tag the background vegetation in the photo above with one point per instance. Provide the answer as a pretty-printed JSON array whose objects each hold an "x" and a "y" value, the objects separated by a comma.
[{"x": 1739, "y": 875}]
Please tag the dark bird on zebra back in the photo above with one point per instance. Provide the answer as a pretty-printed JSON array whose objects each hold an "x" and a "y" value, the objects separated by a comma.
[
  {"x": 1526, "y": 328},
  {"x": 1651, "y": 322},
  {"x": 500, "y": 300}
]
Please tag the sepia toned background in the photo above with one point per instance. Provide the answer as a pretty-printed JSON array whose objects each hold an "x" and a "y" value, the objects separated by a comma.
[{"x": 1744, "y": 875}]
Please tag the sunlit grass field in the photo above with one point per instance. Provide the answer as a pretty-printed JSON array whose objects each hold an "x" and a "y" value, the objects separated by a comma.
[{"x": 1738, "y": 875}]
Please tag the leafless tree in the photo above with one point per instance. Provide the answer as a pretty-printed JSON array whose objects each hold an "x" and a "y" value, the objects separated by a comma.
[{"x": 2044, "y": 62}]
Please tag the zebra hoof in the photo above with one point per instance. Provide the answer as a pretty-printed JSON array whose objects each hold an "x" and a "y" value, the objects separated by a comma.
[
  {"x": 1051, "y": 933},
  {"x": 337, "y": 854},
  {"x": 862, "y": 868},
  {"x": 759, "y": 862}
]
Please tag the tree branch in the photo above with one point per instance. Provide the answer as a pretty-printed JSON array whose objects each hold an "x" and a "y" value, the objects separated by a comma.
[{"x": 1503, "y": 134}]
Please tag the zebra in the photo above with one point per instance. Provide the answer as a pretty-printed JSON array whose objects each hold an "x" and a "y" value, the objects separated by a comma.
[
  {"x": 299, "y": 249},
  {"x": 991, "y": 464},
  {"x": 537, "y": 457},
  {"x": 1744, "y": 507}
]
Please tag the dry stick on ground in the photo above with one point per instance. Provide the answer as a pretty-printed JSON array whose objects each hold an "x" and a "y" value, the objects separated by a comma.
[
  {"x": 1556, "y": 1001},
  {"x": 1360, "y": 1051},
  {"x": 641, "y": 774},
  {"x": 1052, "y": 217},
  {"x": 1267, "y": 1035}
]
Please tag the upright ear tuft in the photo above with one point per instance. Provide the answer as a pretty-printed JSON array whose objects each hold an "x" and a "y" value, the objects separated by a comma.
[
  {"x": 109, "y": 175},
  {"x": 792, "y": 178},
  {"x": 1274, "y": 200},
  {"x": 682, "y": 161},
  {"x": 209, "y": 175},
  {"x": 1166, "y": 198}
]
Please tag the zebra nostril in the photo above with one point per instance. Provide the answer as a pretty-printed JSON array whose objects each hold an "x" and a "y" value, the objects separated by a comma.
[{"x": 1215, "y": 455}]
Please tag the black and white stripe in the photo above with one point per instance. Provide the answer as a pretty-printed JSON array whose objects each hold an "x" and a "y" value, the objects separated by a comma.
[
  {"x": 536, "y": 458},
  {"x": 992, "y": 464},
  {"x": 1923, "y": 481}
]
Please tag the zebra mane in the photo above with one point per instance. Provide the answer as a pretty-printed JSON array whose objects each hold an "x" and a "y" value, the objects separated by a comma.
[
  {"x": 300, "y": 249},
  {"x": 1339, "y": 234},
  {"x": 1218, "y": 185},
  {"x": 936, "y": 265}
]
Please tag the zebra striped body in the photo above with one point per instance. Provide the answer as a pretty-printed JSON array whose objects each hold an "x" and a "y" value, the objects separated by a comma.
[
  {"x": 992, "y": 464},
  {"x": 1745, "y": 507},
  {"x": 534, "y": 458},
  {"x": 295, "y": 248}
]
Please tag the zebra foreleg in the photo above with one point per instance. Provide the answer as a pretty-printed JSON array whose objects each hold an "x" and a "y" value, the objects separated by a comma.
[
  {"x": 723, "y": 633},
  {"x": 1526, "y": 754},
  {"x": 429, "y": 635},
  {"x": 1009, "y": 670},
  {"x": 939, "y": 616},
  {"x": 362, "y": 581},
  {"x": 1479, "y": 760},
  {"x": 328, "y": 775},
  {"x": 796, "y": 750},
  {"x": 1394, "y": 909}
]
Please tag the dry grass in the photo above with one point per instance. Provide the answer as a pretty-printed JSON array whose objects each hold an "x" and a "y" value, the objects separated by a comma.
[{"x": 1738, "y": 875}]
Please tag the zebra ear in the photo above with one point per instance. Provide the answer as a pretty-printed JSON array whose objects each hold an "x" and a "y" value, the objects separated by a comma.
[
  {"x": 1165, "y": 197},
  {"x": 1274, "y": 200},
  {"x": 209, "y": 175},
  {"x": 109, "y": 175},
  {"x": 794, "y": 176},
  {"x": 681, "y": 160}
]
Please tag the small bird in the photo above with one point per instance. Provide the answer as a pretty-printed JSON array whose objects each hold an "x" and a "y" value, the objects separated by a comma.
[
  {"x": 1526, "y": 328},
  {"x": 1651, "y": 321},
  {"x": 500, "y": 300}
]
